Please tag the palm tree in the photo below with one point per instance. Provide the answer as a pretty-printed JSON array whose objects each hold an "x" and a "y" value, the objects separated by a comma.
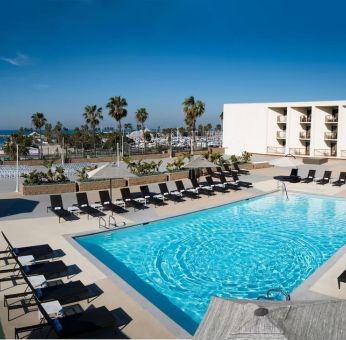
[
  {"x": 128, "y": 126},
  {"x": 141, "y": 117},
  {"x": 38, "y": 121},
  {"x": 92, "y": 115},
  {"x": 193, "y": 109},
  {"x": 117, "y": 111}
]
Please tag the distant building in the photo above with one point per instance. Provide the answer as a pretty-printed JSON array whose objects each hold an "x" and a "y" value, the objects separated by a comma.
[{"x": 300, "y": 128}]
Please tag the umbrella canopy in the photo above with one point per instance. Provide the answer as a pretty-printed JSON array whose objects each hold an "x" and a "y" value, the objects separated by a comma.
[
  {"x": 286, "y": 162},
  {"x": 199, "y": 163}
]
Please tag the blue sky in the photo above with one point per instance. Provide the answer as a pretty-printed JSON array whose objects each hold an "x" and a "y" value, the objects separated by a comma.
[{"x": 56, "y": 56}]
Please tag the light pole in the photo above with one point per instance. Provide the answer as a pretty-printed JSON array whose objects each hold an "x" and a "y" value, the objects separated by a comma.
[{"x": 17, "y": 173}]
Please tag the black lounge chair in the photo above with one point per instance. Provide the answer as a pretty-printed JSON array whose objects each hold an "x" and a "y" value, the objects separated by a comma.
[
  {"x": 136, "y": 203},
  {"x": 75, "y": 325},
  {"x": 341, "y": 180},
  {"x": 241, "y": 183},
  {"x": 325, "y": 179},
  {"x": 39, "y": 252},
  {"x": 83, "y": 205},
  {"x": 230, "y": 185},
  {"x": 189, "y": 192},
  {"x": 222, "y": 172},
  {"x": 174, "y": 195},
  {"x": 50, "y": 270},
  {"x": 239, "y": 170},
  {"x": 57, "y": 207},
  {"x": 293, "y": 177},
  {"x": 64, "y": 293},
  {"x": 212, "y": 173},
  {"x": 228, "y": 170},
  {"x": 216, "y": 186},
  {"x": 107, "y": 203},
  {"x": 204, "y": 189},
  {"x": 156, "y": 199},
  {"x": 310, "y": 177}
]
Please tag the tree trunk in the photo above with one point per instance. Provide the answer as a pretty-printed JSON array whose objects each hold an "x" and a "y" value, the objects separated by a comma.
[
  {"x": 143, "y": 136},
  {"x": 41, "y": 144},
  {"x": 94, "y": 135}
]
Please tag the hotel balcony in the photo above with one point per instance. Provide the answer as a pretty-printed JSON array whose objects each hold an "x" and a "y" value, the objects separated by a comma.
[
  {"x": 299, "y": 151},
  {"x": 325, "y": 152},
  {"x": 304, "y": 135},
  {"x": 281, "y": 134},
  {"x": 304, "y": 119},
  {"x": 330, "y": 119},
  {"x": 276, "y": 149},
  {"x": 330, "y": 135},
  {"x": 281, "y": 119}
]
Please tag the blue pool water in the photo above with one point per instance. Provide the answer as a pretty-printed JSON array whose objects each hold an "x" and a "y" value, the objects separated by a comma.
[{"x": 238, "y": 250}]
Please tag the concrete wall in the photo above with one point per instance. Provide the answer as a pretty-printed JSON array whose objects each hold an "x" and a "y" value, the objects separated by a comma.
[{"x": 244, "y": 128}]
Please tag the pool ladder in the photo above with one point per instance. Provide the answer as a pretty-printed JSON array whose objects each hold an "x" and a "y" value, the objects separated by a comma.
[
  {"x": 283, "y": 188},
  {"x": 112, "y": 224},
  {"x": 275, "y": 290}
]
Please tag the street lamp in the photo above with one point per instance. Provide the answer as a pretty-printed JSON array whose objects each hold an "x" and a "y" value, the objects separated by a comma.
[{"x": 17, "y": 173}]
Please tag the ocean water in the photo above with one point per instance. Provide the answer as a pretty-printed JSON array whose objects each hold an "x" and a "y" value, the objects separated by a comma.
[
  {"x": 239, "y": 250},
  {"x": 4, "y": 134}
]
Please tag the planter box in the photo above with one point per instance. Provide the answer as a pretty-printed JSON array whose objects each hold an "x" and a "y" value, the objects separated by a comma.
[
  {"x": 102, "y": 184},
  {"x": 146, "y": 179},
  {"x": 48, "y": 189},
  {"x": 174, "y": 176},
  {"x": 261, "y": 165},
  {"x": 216, "y": 150}
]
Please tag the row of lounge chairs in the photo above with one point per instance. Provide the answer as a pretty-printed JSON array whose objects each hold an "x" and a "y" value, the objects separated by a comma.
[
  {"x": 40, "y": 293},
  {"x": 140, "y": 200},
  {"x": 326, "y": 178}
]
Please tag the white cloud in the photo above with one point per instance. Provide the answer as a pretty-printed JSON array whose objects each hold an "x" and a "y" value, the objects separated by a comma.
[{"x": 19, "y": 60}]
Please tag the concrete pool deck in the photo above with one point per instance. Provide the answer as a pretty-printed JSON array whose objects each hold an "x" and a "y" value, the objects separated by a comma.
[{"x": 36, "y": 226}]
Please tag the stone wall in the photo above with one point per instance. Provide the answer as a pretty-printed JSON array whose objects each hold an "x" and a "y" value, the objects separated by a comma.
[
  {"x": 174, "y": 176},
  {"x": 102, "y": 184},
  {"x": 48, "y": 189}
]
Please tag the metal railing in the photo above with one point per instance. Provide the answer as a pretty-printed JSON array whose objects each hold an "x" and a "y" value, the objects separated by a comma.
[
  {"x": 305, "y": 119},
  {"x": 330, "y": 135},
  {"x": 325, "y": 152},
  {"x": 276, "y": 149},
  {"x": 281, "y": 119},
  {"x": 304, "y": 135},
  {"x": 281, "y": 134},
  {"x": 331, "y": 119},
  {"x": 299, "y": 151}
]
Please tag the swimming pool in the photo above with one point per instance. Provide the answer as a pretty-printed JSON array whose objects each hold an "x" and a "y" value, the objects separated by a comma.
[{"x": 239, "y": 250}]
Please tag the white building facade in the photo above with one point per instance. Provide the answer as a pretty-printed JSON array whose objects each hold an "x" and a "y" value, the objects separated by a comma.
[{"x": 316, "y": 129}]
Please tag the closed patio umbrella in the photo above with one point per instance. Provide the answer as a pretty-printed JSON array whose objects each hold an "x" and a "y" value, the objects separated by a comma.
[{"x": 196, "y": 164}]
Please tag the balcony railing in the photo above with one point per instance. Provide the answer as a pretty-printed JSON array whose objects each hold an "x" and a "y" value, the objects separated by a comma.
[
  {"x": 299, "y": 151},
  {"x": 304, "y": 135},
  {"x": 282, "y": 119},
  {"x": 330, "y": 135},
  {"x": 331, "y": 119},
  {"x": 325, "y": 152},
  {"x": 276, "y": 149},
  {"x": 305, "y": 119},
  {"x": 281, "y": 134}
]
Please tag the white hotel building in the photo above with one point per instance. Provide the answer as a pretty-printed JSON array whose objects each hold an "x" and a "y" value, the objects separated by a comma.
[{"x": 316, "y": 129}]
